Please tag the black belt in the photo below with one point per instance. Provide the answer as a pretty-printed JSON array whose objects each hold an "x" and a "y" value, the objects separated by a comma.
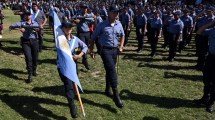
[{"x": 109, "y": 48}]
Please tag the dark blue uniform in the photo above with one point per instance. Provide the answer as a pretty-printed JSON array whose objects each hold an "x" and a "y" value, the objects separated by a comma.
[
  {"x": 175, "y": 29},
  {"x": 156, "y": 26},
  {"x": 29, "y": 42},
  {"x": 141, "y": 22},
  {"x": 188, "y": 25}
]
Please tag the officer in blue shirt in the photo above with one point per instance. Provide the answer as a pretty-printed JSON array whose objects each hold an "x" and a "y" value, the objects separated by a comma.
[
  {"x": 125, "y": 19},
  {"x": 29, "y": 42},
  {"x": 176, "y": 27},
  {"x": 141, "y": 23},
  {"x": 202, "y": 40},
  {"x": 208, "y": 97},
  {"x": 108, "y": 33},
  {"x": 166, "y": 21},
  {"x": 83, "y": 20},
  {"x": 155, "y": 31},
  {"x": 188, "y": 25},
  {"x": 74, "y": 43}
]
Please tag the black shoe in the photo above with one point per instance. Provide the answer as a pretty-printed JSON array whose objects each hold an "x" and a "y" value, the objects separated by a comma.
[
  {"x": 29, "y": 80},
  {"x": 73, "y": 110},
  {"x": 139, "y": 51},
  {"x": 118, "y": 102},
  {"x": 152, "y": 54},
  {"x": 86, "y": 65},
  {"x": 170, "y": 59},
  {"x": 108, "y": 93},
  {"x": 209, "y": 108},
  {"x": 35, "y": 73}
]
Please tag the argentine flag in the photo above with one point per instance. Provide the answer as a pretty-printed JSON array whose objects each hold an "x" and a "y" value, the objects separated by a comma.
[{"x": 66, "y": 63}]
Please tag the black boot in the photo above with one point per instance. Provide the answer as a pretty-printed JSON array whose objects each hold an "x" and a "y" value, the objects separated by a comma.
[
  {"x": 108, "y": 92},
  {"x": 86, "y": 65},
  {"x": 73, "y": 109},
  {"x": 116, "y": 98},
  {"x": 35, "y": 72},
  {"x": 29, "y": 80}
]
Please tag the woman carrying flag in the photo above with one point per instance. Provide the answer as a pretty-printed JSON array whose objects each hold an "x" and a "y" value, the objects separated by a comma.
[{"x": 74, "y": 43}]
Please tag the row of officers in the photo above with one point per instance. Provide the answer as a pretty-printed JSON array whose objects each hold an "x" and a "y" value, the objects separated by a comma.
[{"x": 111, "y": 36}]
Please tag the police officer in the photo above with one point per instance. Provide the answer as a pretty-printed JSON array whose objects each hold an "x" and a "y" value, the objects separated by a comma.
[
  {"x": 156, "y": 27},
  {"x": 40, "y": 17},
  {"x": 166, "y": 21},
  {"x": 108, "y": 33},
  {"x": 176, "y": 27},
  {"x": 202, "y": 40},
  {"x": 83, "y": 30},
  {"x": 188, "y": 25},
  {"x": 29, "y": 42},
  {"x": 68, "y": 84},
  {"x": 208, "y": 97},
  {"x": 125, "y": 19},
  {"x": 141, "y": 22}
]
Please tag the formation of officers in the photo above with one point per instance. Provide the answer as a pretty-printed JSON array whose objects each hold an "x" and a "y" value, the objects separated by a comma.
[{"x": 109, "y": 28}]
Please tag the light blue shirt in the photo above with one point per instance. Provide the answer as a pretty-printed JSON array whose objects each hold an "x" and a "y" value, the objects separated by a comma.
[
  {"x": 211, "y": 33},
  {"x": 156, "y": 23},
  {"x": 29, "y": 33},
  {"x": 107, "y": 35},
  {"x": 83, "y": 25},
  {"x": 141, "y": 20},
  {"x": 125, "y": 18},
  {"x": 176, "y": 26},
  {"x": 188, "y": 21}
]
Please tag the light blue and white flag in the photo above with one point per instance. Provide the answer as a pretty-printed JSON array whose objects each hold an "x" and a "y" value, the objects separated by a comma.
[{"x": 65, "y": 60}]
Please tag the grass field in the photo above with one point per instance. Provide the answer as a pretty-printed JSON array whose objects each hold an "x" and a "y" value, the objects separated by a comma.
[{"x": 151, "y": 88}]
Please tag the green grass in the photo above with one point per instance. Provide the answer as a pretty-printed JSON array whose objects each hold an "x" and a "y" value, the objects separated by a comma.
[{"x": 151, "y": 88}]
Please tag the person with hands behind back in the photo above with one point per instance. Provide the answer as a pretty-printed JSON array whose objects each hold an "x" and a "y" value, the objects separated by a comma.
[{"x": 110, "y": 32}]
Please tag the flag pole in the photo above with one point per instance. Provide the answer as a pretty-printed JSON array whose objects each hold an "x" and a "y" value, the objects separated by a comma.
[{"x": 80, "y": 101}]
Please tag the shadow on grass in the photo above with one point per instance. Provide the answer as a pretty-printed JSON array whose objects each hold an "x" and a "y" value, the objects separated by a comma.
[
  {"x": 58, "y": 90},
  {"x": 12, "y": 50},
  {"x": 165, "y": 67},
  {"x": 30, "y": 107},
  {"x": 10, "y": 73},
  {"x": 150, "y": 118},
  {"x": 183, "y": 76},
  {"x": 47, "y": 61},
  {"x": 161, "y": 102}
]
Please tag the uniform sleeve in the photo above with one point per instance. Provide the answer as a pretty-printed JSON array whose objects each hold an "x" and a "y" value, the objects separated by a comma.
[
  {"x": 207, "y": 32},
  {"x": 43, "y": 15},
  {"x": 82, "y": 45},
  {"x": 122, "y": 33},
  {"x": 145, "y": 19},
  {"x": 181, "y": 27},
  {"x": 17, "y": 24}
]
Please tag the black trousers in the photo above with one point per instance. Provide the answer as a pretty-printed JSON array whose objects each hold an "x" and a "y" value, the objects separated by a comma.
[
  {"x": 85, "y": 37},
  {"x": 109, "y": 58},
  {"x": 154, "y": 39},
  {"x": 172, "y": 45},
  {"x": 30, "y": 49},
  {"x": 140, "y": 36},
  {"x": 201, "y": 49},
  {"x": 68, "y": 87},
  {"x": 40, "y": 35},
  {"x": 209, "y": 78},
  {"x": 185, "y": 39},
  {"x": 125, "y": 28},
  {"x": 166, "y": 36}
]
